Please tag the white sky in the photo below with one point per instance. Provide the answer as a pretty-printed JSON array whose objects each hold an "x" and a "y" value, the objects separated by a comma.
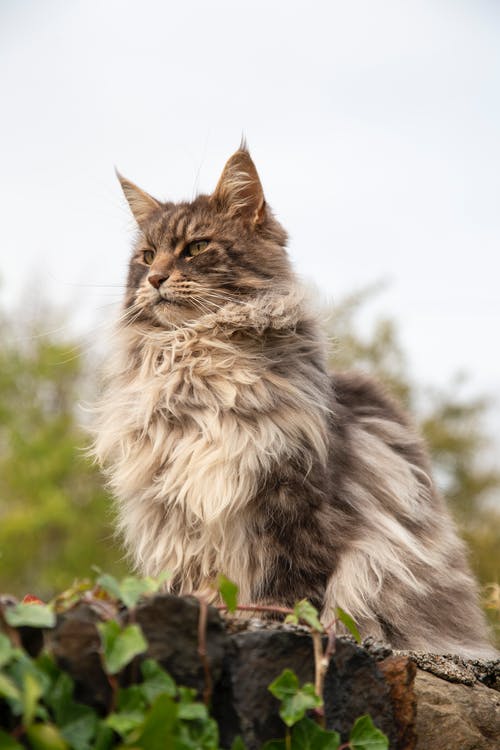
[{"x": 374, "y": 126}]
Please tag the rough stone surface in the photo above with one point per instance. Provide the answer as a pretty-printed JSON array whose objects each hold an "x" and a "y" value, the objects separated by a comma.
[
  {"x": 455, "y": 669},
  {"x": 454, "y": 716},
  {"x": 170, "y": 625},
  {"x": 75, "y": 644},
  {"x": 445, "y": 702},
  {"x": 399, "y": 672},
  {"x": 354, "y": 685}
]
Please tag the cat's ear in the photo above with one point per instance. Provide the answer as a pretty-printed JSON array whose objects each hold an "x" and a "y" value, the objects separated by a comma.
[
  {"x": 239, "y": 190},
  {"x": 141, "y": 203}
]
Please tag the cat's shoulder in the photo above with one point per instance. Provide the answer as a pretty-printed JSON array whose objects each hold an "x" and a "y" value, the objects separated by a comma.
[{"x": 364, "y": 395}]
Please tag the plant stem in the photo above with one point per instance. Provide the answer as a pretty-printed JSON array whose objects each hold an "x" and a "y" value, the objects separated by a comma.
[{"x": 202, "y": 650}]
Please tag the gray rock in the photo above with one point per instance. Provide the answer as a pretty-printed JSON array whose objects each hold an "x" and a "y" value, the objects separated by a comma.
[{"x": 453, "y": 716}]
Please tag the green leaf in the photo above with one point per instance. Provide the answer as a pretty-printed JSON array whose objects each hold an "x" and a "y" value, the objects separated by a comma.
[
  {"x": 124, "y": 723},
  {"x": 347, "y": 620},
  {"x": 131, "y": 699},
  {"x": 186, "y": 695},
  {"x": 7, "y": 742},
  {"x": 238, "y": 744},
  {"x": 120, "y": 645},
  {"x": 229, "y": 592},
  {"x": 365, "y": 735},
  {"x": 46, "y": 737},
  {"x": 275, "y": 745},
  {"x": 59, "y": 696},
  {"x": 193, "y": 711},
  {"x": 77, "y": 723},
  {"x": 295, "y": 700},
  {"x": 307, "y": 735},
  {"x": 32, "y": 692},
  {"x": 133, "y": 588},
  {"x": 285, "y": 685},
  {"x": 157, "y": 730},
  {"x": 7, "y": 650},
  {"x": 32, "y": 615},
  {"x": 305, "y": 611},
  {"x": 80, "y": 727},
  {"x": 104, "y": 739},
  {"x": 156, "y": 681},
  {"x": 8, "y": 688},
  {"x": 110, "y": 585},
  {"x": 130, "y": 589}
]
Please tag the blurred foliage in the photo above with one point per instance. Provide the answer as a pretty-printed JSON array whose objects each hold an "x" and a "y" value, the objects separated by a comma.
[
  {"x": 54, "y": 513},
  {"x": 56, "y": 518},
  {"x": 454, "y": 426}
]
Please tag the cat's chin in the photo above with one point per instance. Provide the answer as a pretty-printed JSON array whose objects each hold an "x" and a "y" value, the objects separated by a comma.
[{"x": 173, "y": 312}]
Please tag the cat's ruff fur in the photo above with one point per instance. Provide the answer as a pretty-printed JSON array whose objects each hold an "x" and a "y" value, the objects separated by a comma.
[{"x": 231, "y": 450}]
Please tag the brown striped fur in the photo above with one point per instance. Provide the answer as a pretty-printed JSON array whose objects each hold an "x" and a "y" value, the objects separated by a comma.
[{"x": 231, "y": 449}]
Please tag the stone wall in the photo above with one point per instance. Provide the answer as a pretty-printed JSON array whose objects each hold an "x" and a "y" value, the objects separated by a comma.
[{"x": 419, "y": 701}]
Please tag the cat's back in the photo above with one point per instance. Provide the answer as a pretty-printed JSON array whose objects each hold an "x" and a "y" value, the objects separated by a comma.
[{"x": 362, "y": 405}]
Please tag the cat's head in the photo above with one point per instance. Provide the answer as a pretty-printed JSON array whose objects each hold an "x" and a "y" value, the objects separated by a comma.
[{"x": 190, "y": 259}]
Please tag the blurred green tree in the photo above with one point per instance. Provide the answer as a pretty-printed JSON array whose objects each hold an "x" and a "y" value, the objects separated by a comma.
[{"x": 54, "y": 512}]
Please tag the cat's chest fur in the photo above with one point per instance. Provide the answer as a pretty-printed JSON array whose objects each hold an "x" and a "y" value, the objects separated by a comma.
[{"x": 194, "y": 423}]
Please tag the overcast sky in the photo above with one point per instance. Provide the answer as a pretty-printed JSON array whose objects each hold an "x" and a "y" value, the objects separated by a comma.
[{"x": 374, "y": 126}]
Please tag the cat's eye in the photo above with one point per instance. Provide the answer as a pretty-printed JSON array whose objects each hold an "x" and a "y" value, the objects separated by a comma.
[
  {"x": 195, "y": 248},
  {"x": 148, "y": 256}
]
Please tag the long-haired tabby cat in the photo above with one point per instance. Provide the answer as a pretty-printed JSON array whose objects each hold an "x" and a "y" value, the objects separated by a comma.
[{"x": 231, "y": 449}]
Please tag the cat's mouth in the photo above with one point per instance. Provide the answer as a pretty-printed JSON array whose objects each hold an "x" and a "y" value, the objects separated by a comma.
[
  {"x": 162, "y": 301},
  {"x": 168, "y": 310}
]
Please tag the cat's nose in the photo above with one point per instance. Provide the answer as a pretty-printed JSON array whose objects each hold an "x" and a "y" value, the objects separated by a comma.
[{"x": 157, "y": 279}]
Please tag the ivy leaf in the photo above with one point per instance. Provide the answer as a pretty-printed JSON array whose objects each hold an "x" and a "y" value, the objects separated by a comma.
[
  {"x": 156, "y": 732},
  {"x": 130, "y": 589},
  {"x": 80, "y": 730},
  {"x": 347, "y": 620},
  {"x": 46, "y": 737},
  {"x": 307, "y": 735},
  {"x": 229, "y": 592},
  {"x": 193, "y": 711},
  {"x": 365, "y": 735},
  {"x": 156, "y": 681},
  {"x": 7, "y": 650},
  {"x": 131, "y": 699},
  {"x": 238, "y": 744},
  {"x": 77, "y": 723},
  {"x": 295, "y": 700},
  {"x": 110, "y": 585},
  {"x": 31, "y": 615},
  {"x": 7, "y": 742},
  {"x": 120, "y": 645},
  {"x": 104, "y": 738},
  {"x": 32, "y": 692},
  {"x": 8, "y": 688},
  {"x": 305, "y": 611},
  {"x": 124, "y": 723},
  {"x": 59, "y": 696}
]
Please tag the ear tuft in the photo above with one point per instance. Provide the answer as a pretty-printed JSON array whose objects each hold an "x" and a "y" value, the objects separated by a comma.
[
  {"x": 141, "y": 203},
  {"x": 239, "y": 190}
]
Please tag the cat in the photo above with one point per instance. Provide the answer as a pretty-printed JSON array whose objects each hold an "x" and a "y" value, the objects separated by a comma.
[{"x": 231, "y": 449}]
